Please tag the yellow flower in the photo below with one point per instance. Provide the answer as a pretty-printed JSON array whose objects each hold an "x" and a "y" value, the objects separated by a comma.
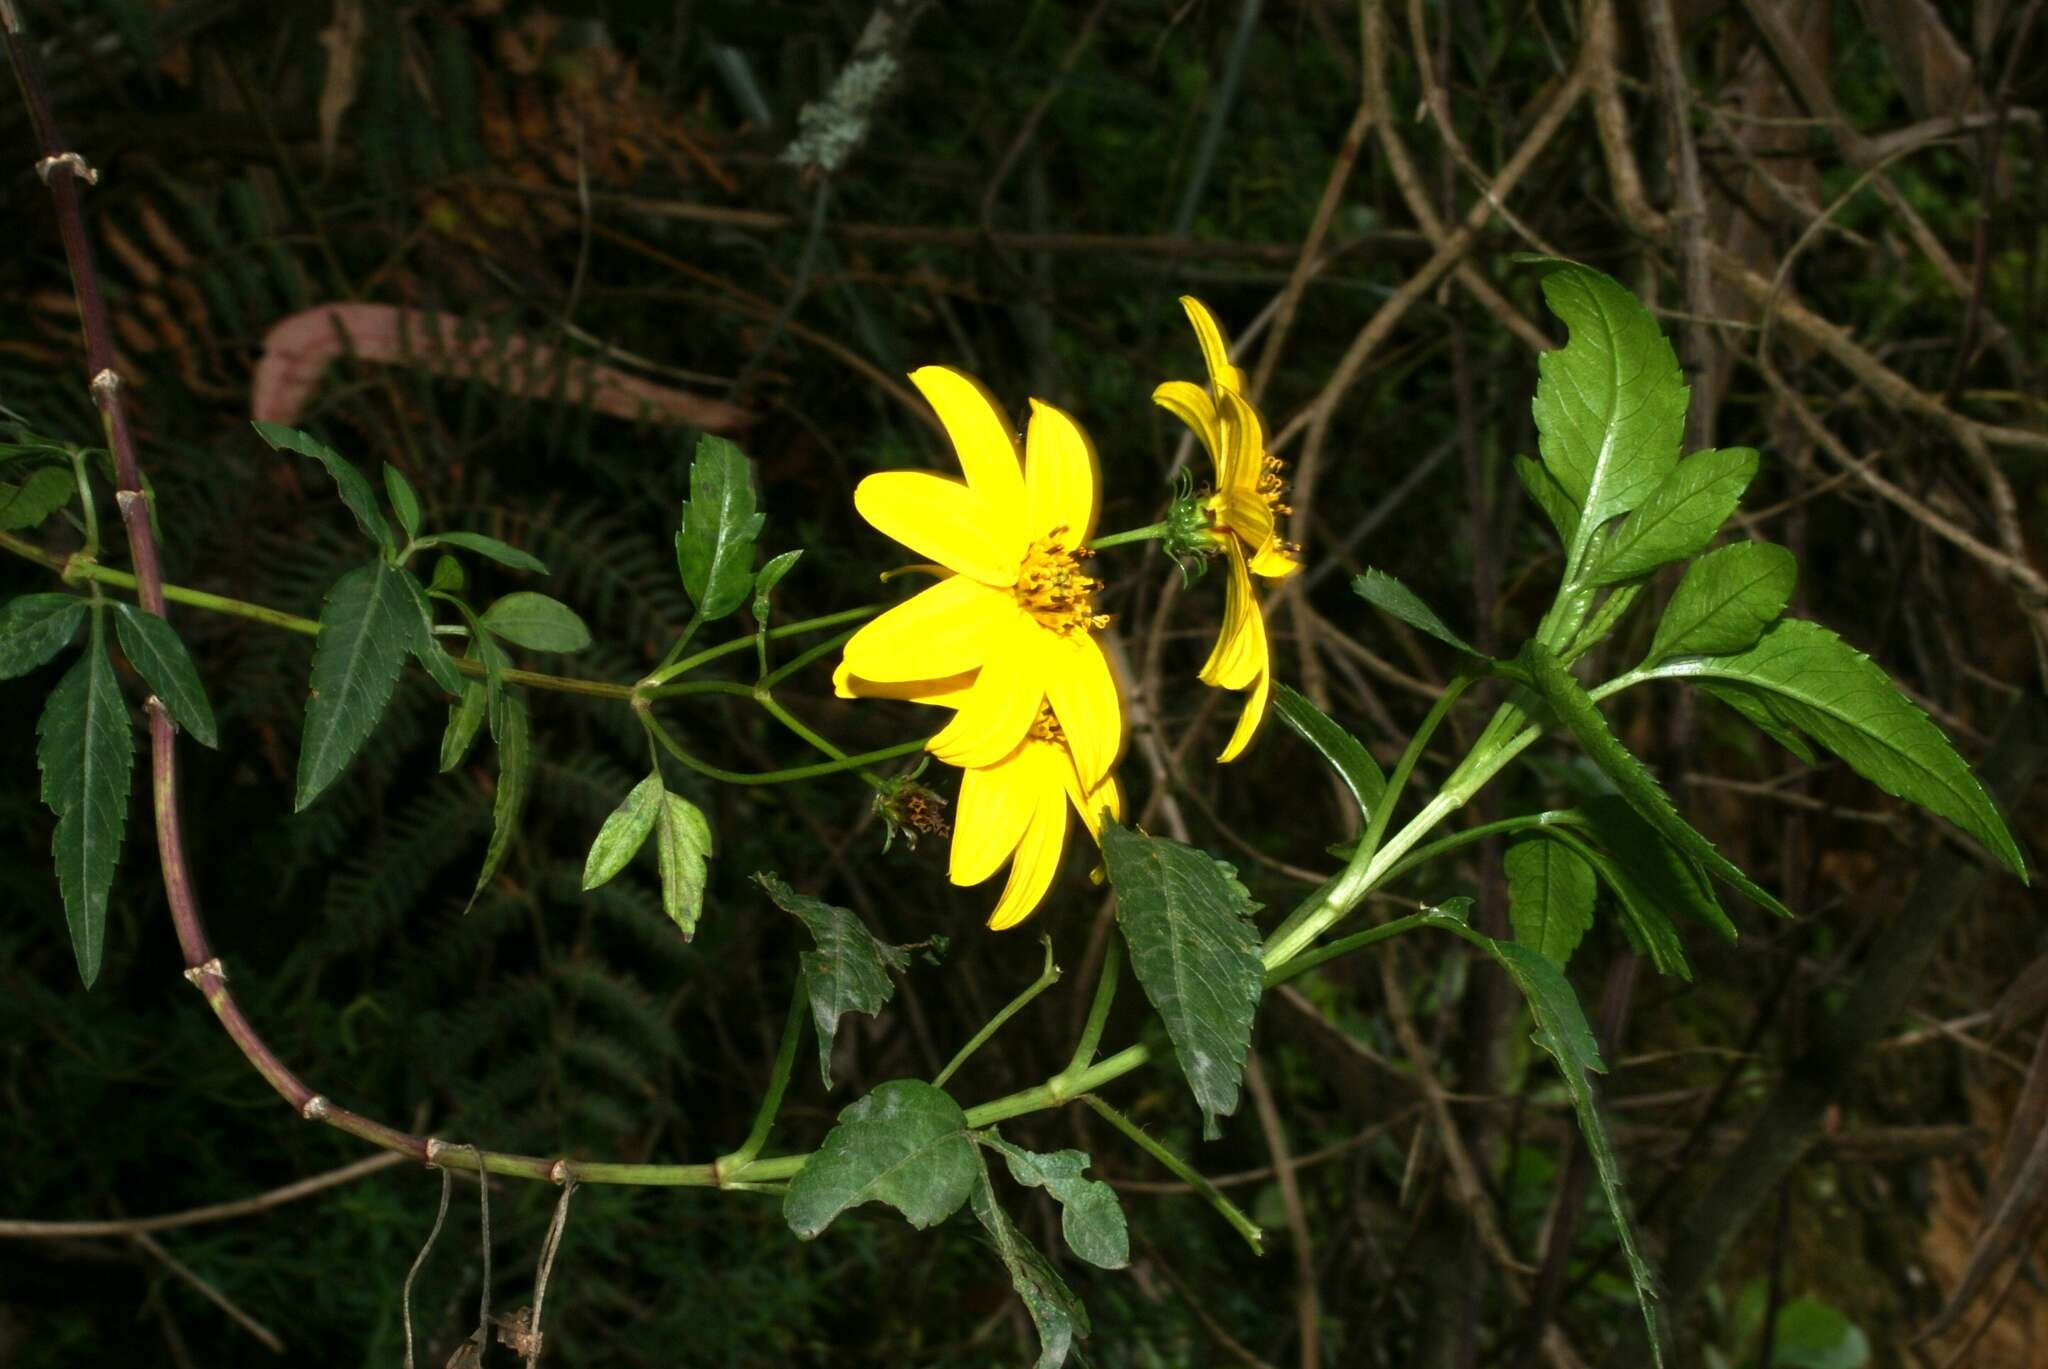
[
  {"x": 1014, "y": 810},
  {"x": 1018, "y": 610},
  {"x": 1244, "y": 512}
]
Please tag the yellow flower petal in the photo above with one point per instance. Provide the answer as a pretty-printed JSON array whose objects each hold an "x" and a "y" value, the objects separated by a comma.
[
  {"x": 945, "y": 520},
  {"x": 941, "y": 631},
  {"x": 1244, "y": 448},
  {"x": 1247, "y": 516},
  {"x": 1083, "y": 694},
  {"x": 1215, "y": 346},
  {"x": 1038, "y": 854},
  {"x": 1249, "y": 721},
  {"x": 1190, "y": 403},
  {"x": 947, "y": 693},
  {"x": 982, "y": 436},
  {"x": 995, "y": 807},
  {"x": 1240, "y": 650},
  {"x": 1091, "y": 803},
  {"x": 1062, "y": 482},
  {"x": 999, "y": 710},
  {"x": 1273, "y": 563}
]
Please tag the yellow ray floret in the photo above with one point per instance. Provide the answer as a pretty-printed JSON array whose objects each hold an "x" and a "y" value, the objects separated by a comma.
[
  {"x": 1244, "y": 512},
  {"x": 1018, "y": 610}
]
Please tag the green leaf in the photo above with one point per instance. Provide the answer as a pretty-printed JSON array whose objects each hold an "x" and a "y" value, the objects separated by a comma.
[
  {"x": 1561, "y": 1030},
  {"x": 1582, "y": 717},
  {"x": 682, "y": 845},
  {"x": 404, "y": 502},
  {"x": 1090, "y": 1217},
  {"x": 367, "y": 625},
  {"x": 1550, "y": 896},
  {"x": 1188, "y": 923},
  {"x": 1756, "y": 707},
  {"x": 1345, "y": 753},
  {"x": 1680, "y": 517},
  {"x": 771, "y": 576},
  {"x": 425, "y": 647},
  {"x": 1656, "y": 870},
  {"x": 1560, "y": 508},
  {"x": 1649, "y": 928},
  {"x": 1815, "y": 681},
  {"x": 849, "y": 970},
  {"x": 1725, "y": 600},
  {"x": 86, "y": 752},
  {"x": 355, "y": 490},
  {"x": 1056, "y": 1313},
  {"x": 503, "y": 553},
  {"x": 153, "y": 648},
  {"x": 448, "y": 576},
  {"x": 1384, "y": 592},
  {"x": 1601, "y": 621},
  {"x": 624, "y": 832},
  {"x": 26, "y": 505},
  {"x": 715, "y": 548},
  {"x": 465, "y": 715},
  {"x": 35, "y": 627},
  {"x": 905, "y": 1144},
  {"x": 536, "y": 622},
  {"x": 515, "y": 775},
  {"x": 1610, "y": 404}
]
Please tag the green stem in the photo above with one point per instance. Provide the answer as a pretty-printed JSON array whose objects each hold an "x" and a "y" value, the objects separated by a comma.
[
  {"x": 683, "y": 639},
  {"x": 86, "y": 511},
  {"x": 771, "y": 1100},
  {"x": 82, "y": 568},
  {"x": 795, "y": 772},
  {"x": 1152, "y": 532},
  {"x": 1047, "y": 977},
  {"x": 1230, "y": 1212},
  {"x": 1556, "y": 817},
  {"x": 1098, "y": 1011},
  {"x": 804, "y": 658},
  {"x": 650, "y": 687},
  {"x": 1308, "y": 960}
]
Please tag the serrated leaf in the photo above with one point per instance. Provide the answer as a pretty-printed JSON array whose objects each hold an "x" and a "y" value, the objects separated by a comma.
[
  {"x": 1582, "y": 717},
  {"x": 536, "y": 622},
  {"x": 715, "y": 547},
  {"x": 1188, "y": 924},
  {"x": 504, "y": 553},
  {"x": 465, "y": 716},
  {"x": 1090, "y": 1217},
  {"x": 367, "y": 625},
  {"x": 1640, "y": 908},
  {"x": 26, "y": 505},
  {"x": 35, "y": 627},
  {"x": 404, "y": 502},
  {"x": 1842, "y": 699},
  {"x": 1560, "y": 508},
  {"x": 1384, "y": 592},
  {"x": 849, "y": 970},
  {"x": 1550, "y": 896},
  {"x": 1562, "y": 1032},
  {"x": 1657, "y": 871},
  {"x": 86, "y": 753},
  {"x": 770, "y": 576},
  {"x": 153, "y": 648},
  {"x": 1610, "y": 404},
  {"x": 355, "y": 489},
  {"x": 1345, "y": 753},
  {"x": 1680, "y": 517},
  {"x": 426, "y": 648},
  {"x": 1757, "y": 708},
  {"x": 624, "y": 832},
  {"x": 515, "y": 775},
  {"x": 1725, "y": 600},
  {"x": 905, "y": 1145},
  {"x": 682, "y": 845},
  {"x": 1056, "y": 1313}
]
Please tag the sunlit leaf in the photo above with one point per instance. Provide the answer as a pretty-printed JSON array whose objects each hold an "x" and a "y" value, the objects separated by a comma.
[
  {"x": 536, "y": 622},
  {"x": 153, "y": 648},
  {"x": 771, "y": 576},
  {"x": 1815, "y": 681},
  {"x": 367, "y": 625},
  {"x": 849, "y": 970},
  {"x": 905, "y": 1145},
  {"x": 1680, "y": 517},
  {"x": 1725, "y": 600},
  {"x": 86, "y": 751},
  {"x": 1345, "y": 753},
  {"x": 1195, "y": 951},
  {"x": 624, "y": 832},
  {"x": 715, "y": 547},
  {"x": 1560, "y": 508},
  {"x": 682, "y": 845}
]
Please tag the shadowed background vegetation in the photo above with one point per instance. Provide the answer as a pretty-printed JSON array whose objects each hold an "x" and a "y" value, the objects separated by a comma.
[{"x": 1837, "y": 211}]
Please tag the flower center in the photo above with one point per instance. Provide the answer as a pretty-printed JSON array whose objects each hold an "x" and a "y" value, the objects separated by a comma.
[
  {"x": 1272, "y": 485},
  {"x": 1054, "y": 589}
]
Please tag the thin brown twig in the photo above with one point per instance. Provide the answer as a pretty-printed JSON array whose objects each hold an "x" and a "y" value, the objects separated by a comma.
[
  {"x": 206, "y": 1290},
  {"x": 200, "y": 1216},
  {"x": 1307, "y": 1306}
]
